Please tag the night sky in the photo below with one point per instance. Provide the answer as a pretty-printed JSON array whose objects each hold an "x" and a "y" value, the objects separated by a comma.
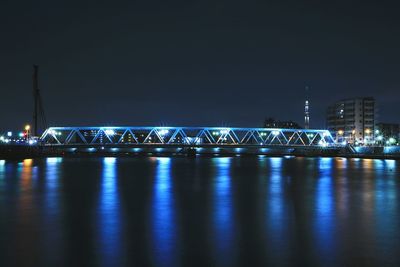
[{"x": 204, "y": 63}]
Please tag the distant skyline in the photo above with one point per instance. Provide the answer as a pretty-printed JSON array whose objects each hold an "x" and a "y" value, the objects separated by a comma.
[{"x": 205, "y": 63}]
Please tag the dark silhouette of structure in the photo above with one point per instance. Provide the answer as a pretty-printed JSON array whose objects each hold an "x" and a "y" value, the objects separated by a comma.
[
  {"x": 39, "y": 117},
  {"x": 272, "y": 123}
]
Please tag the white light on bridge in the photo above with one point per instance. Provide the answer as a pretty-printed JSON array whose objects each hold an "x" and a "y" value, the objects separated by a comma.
[
  {"x": 109, "y": 132},
  {"x": 163, "y": 132},
  {"x": 224, "y": 131}
]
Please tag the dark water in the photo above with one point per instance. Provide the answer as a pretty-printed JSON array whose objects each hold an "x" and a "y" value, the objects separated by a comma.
[{"x": 200, "y": 212}]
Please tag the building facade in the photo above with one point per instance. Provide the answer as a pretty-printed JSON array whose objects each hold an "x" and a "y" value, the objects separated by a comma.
[{"x": 352, "y": 120}]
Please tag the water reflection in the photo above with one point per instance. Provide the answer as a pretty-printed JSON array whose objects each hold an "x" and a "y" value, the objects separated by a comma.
[
  {"x": 2, "y": 172},
  {"x": 52, "y": 184},
  {"x": 163, "y": 215},
  {"x": 276, "y": 212},
  {"x": 109, "y": 215},
  {"x": 246, "y": 212},
  {"x": 275, "y": 190},
  {"x": 325, "y": 210},
  {"x": 223, "y": 212},
  {"x": 25, "y": 236},
  {"x": 386, "y": 203}
]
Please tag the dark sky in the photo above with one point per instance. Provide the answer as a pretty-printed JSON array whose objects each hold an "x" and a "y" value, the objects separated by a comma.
[{"x": 205, "y": 63}]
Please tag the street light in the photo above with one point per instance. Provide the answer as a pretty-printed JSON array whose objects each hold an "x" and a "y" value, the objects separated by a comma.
[
  {"x": 367, "y": 137},
  {"x": 339, "y": 137},
  {"x": 27, "y": 128}
]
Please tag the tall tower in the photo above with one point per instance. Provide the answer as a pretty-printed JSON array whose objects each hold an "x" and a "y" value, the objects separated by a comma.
[
  {"x": 35, "y": 99},
  {"x": 306, "y": 111},
  {"x": 39, "y": 119}
]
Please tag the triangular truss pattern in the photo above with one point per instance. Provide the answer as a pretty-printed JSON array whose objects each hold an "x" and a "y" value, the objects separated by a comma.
[
  {"x": 189, "y": 136},
  {"x": 128, "y": 134},
  {"x": 178, "y": 137},
  {"x": 75, "y": 136}
]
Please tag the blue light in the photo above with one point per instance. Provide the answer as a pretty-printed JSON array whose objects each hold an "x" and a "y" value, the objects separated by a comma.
[
  {"x": 275, "y": 188},
  {"x": 109, "y": 132},
  {"x": 325, "y": 214},
  {"x": 52, "y": 161},
  {"x": 163, "y": 215},
  {"x": 390, "y": 164},
  {"x": 163, "y": 132},
  {"x": 110, "y": 161},
  {"x": 224, "y": 131},
  {"x": 109, "y": 214},
  {"x": 223, "y": 210},
  {"x": 52, "y": 194},
  {"x": 2, "y": 167}
]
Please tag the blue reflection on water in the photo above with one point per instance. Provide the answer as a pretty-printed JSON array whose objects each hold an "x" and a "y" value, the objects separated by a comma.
[
  {"x": 109, "y": 214},
  {"x": 2, "y": 170},
  {"x": 163, "y": 215},
  {"x": 53, "y": 209},
  {"x": 325, "y": 213},
  {"x": 52, "y": 184},
  {"x": 386, "y": 201},
  {"x": 276, "y": 198},
  {"x": 390, "y": 164},
  {"x": 222, "y": 205}
]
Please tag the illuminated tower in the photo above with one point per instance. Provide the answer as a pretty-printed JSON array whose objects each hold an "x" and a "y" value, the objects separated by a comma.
[{"x": 306, "y": 111}]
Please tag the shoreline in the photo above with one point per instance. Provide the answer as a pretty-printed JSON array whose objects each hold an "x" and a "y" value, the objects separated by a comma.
[{"x": 18, "y": 152}]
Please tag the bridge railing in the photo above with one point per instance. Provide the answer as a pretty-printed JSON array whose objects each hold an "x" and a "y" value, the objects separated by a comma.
[{"x": 191, "y": 136}]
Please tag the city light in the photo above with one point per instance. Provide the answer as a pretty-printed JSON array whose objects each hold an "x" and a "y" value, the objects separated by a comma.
[
  {"x": 31, "y": 141},
  {"x": 9, "y": 134},
  {"x": 163, "y": 132},
  {"x": 27, "y": 127},
  {"x": 109, "y": 132},
  {"x": 275, "y": 133},
  {"x": 224, "y": 131}
]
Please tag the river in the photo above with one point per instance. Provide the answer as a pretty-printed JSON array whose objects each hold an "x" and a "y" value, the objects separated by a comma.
[{"x": 205, "y": 211}]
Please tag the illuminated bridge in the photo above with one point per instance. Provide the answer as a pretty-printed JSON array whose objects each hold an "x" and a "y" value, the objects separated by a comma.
[{"x": 178, "y": 139}]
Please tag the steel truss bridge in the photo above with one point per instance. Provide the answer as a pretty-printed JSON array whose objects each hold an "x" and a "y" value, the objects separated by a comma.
[{"x": 195, "y": 137}]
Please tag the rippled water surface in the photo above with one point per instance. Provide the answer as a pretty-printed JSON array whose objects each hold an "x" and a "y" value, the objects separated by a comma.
[{"x": 251, "y": 211}]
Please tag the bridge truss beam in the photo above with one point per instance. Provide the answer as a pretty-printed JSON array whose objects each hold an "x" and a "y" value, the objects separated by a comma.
[{"x": 185, "y": 136}]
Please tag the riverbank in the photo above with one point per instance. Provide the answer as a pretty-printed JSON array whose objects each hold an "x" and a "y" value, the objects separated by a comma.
[{"x": 24, "y": 151}]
